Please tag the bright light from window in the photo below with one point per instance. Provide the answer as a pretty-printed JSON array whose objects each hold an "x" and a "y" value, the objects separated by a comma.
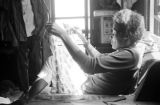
[{"x": 69, "y": 8}]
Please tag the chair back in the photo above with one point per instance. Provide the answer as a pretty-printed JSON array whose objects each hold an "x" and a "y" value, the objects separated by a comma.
[{"x": 148, "y": 87}]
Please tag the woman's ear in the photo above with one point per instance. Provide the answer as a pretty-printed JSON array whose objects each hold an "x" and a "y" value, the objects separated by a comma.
[{"x": 125, "y": 42}]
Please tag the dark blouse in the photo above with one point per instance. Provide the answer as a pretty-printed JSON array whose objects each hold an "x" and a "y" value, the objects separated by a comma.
[{"x": 111, "y": 73}]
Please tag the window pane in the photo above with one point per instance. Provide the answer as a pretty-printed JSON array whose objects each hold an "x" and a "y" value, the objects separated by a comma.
[
  {"x": 157, "y": 17},
  {"x": 70, "y": 23},
  {"x": 157, "y": 7},
  {"x": 69, "y": 8}
]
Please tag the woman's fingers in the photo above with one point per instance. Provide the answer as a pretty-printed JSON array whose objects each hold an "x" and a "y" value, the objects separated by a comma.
[{"x": 54, "y": 29}]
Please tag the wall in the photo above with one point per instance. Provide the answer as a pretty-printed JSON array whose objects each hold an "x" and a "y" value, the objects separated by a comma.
[{"x": 104, "y": 5}]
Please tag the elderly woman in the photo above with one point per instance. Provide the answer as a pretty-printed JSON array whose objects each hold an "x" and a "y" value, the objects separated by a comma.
[{"x": 112, "y": 73}]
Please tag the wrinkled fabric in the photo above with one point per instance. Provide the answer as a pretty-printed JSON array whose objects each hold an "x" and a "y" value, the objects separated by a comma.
[
  {"x": 34, "y": 57},
  {"x": 22, "y": 66},
  {"x": 18, "y": 25},
  {"x": 12, "y": 24},
  {"x": 66, "y": 75},
  {"x": 5, "y": 100},
  {"x": 38, "y": 44},
  {"x": 12, "y": 35},
  {"x": 151, "y": 42},
  {"x": 40, "y": 11},
  {"x": 28, "y": 16},
  {"x": 40, "y": 17},
  {"x": 152, "y": 46}
]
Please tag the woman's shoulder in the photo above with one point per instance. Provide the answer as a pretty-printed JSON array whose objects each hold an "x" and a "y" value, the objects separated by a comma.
[{"x": 124, "y": 51}]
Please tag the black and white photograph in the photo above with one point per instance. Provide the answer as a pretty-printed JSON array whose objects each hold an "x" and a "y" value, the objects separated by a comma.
[{"x": 79, "y": 52}]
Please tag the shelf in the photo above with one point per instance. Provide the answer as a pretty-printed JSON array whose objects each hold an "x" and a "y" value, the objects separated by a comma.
[{"x": 103, "y": 13}]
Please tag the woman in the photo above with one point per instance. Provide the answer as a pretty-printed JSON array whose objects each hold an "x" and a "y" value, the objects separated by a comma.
[
  {"x": 112, "y": 73},
  {"x": 108, "y": 74}
]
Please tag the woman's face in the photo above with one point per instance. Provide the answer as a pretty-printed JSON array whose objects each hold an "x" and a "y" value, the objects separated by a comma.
[{"x": 114, "y": 41}]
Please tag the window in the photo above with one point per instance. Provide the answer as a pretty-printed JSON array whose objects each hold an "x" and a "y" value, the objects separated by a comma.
[
  {"x": 68, "y": 14},
  {"x": 73, "y": 13},
  {"x": 157, "y": 17},
  {"x": 69, "y": 8}
]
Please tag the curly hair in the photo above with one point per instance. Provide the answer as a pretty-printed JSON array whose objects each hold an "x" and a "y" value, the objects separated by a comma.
[{"x": 128, "y": 24}]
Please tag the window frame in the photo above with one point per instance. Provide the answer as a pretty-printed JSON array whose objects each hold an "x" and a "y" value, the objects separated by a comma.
[{"x": 86, "y": 16}]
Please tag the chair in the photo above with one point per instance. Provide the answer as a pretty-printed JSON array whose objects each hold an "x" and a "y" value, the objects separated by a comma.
[{"x": 149, "y": 83}]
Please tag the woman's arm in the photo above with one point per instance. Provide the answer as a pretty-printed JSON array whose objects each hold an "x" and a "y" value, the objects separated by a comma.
[
  {"x": 90, "y": 49},
  {"x": 80, "y": 57}
]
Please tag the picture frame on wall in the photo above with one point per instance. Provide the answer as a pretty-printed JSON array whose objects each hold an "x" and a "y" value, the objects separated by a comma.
[
  {"x": 106, "y": 24},
  {"x": 106, "y": 29}
]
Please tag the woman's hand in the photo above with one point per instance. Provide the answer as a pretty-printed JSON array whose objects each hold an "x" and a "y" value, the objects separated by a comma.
[{"x": 55, "y": 29}]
